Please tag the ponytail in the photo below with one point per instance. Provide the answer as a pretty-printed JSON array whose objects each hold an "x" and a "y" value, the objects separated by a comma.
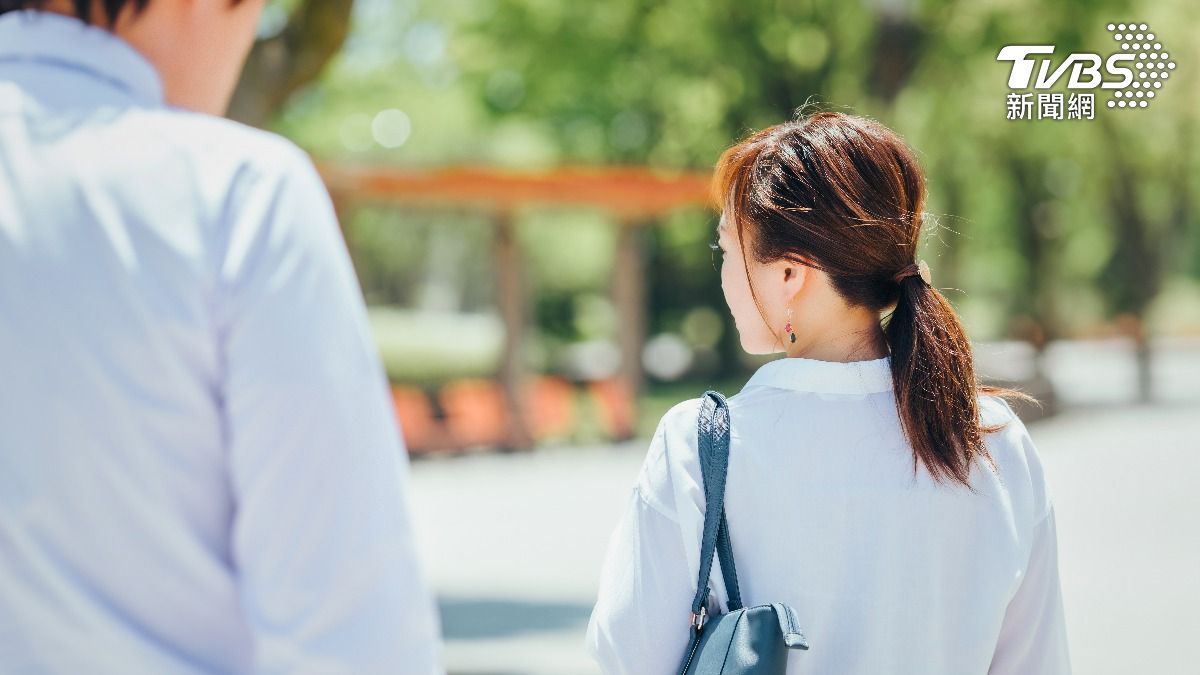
[{"x": 933, "y": 376}]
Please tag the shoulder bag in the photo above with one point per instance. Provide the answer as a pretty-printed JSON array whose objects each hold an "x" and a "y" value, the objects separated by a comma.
[{"x": 745, "y": 640}]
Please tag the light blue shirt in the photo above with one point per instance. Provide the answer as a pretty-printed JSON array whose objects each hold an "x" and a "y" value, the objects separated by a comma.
[{"x": 200, "y": 470}]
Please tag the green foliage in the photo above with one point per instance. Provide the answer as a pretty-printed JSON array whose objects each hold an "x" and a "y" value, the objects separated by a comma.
[{"x": 1065, "y": 221}]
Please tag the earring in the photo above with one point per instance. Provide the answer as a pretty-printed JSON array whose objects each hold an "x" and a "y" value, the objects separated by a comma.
[{"x": 787, "y": 327}]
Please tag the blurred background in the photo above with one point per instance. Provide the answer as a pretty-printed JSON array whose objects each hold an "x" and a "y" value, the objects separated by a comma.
[{"x": 523, "y": 188}]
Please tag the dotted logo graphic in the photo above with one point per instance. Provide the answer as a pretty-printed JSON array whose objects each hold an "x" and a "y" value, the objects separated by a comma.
[
  {"x": 1152, "y": 64},
  {"x": 1132, "y": 75}
]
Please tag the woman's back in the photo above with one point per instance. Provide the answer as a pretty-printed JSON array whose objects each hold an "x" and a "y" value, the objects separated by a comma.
[
  {"x": 874, "y": 484},
  {"x": 888, "y": 570}
]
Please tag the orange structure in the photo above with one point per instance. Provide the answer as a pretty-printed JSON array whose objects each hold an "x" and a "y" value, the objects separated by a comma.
[
  {"x": 626, "y": 192},
  {"x": 634, "y": 196}
]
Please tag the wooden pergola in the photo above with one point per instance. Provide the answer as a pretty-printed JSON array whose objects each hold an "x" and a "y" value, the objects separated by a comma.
[{"x": 634, "y": 196}]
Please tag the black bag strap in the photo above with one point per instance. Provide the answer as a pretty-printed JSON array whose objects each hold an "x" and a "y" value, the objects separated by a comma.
[{"x": 713, "y": 438}]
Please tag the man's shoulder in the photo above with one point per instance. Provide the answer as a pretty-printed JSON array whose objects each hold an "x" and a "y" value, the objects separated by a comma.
[
  {"x": 239, "y": 184},
  {"x": 208, "y": 139}
]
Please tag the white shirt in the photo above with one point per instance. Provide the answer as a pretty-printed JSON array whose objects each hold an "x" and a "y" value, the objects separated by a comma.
[
  {"x": 888, "y": 571},
  {"x": 200, "y": 471}
]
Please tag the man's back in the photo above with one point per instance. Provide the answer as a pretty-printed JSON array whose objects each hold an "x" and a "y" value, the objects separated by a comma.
[{"x": 199, "y": 470}]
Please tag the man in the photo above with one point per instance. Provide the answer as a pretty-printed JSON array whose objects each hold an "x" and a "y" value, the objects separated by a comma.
[{"x": 200, "y": 471}]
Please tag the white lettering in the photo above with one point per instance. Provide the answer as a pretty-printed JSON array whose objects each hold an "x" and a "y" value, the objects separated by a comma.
[
  {"x": 1022, "y": 67},
  {"x": 1118, "y": 70},
  {"x": 1092, "y": 71}
]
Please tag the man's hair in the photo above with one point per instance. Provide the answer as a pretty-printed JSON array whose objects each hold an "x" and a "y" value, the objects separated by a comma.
[{"x": 83, "y": 8}]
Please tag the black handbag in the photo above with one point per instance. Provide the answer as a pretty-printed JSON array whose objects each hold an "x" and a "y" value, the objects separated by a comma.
[{"x": 744, "y": 640}]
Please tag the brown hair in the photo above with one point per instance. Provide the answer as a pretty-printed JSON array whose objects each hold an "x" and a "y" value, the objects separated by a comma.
[{"x": 845, "y": 195}]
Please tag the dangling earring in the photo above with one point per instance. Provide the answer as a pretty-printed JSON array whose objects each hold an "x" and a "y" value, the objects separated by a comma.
[{"x": 787, "y": 327}]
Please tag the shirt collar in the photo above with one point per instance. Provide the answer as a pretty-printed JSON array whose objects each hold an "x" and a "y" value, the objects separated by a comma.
[
  {"x": 830, "y": 377},
  {"x": 65, "y": 41}
]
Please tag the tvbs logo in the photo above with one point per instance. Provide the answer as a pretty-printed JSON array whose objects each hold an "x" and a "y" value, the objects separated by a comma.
[{"x": 1133, "y": 75}]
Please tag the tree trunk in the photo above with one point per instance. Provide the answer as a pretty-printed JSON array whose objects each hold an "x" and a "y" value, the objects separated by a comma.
[{"x": 280, "y": 65}]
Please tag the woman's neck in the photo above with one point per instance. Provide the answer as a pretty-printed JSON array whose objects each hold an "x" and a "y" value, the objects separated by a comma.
[{"x": 842, "y": 346}]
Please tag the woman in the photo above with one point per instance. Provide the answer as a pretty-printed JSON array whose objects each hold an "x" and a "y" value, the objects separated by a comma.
[{"x": 873, "y": 485}]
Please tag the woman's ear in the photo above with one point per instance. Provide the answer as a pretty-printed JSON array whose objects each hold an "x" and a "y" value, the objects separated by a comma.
[
  {"x": 791, "y": 278},
  {"x": 795, "y": 276}
]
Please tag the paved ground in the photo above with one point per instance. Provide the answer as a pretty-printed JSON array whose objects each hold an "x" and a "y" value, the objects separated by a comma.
[{"x": 513, "y": 543}]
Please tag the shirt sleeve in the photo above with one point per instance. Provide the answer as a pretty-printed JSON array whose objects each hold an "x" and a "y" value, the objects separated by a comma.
[
  {"x": 1033, "y": 637},
  {"x": 321, "y": 538},
  {"x": 640, "y": 624}
]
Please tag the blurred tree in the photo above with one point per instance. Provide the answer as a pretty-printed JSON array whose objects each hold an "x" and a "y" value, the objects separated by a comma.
[
  {"x": 1151, "y": 207},
  {"x": 282, "y": 63},
  {"x": 1055, "y": 227},
  {"x": 673, "y": 82}
]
